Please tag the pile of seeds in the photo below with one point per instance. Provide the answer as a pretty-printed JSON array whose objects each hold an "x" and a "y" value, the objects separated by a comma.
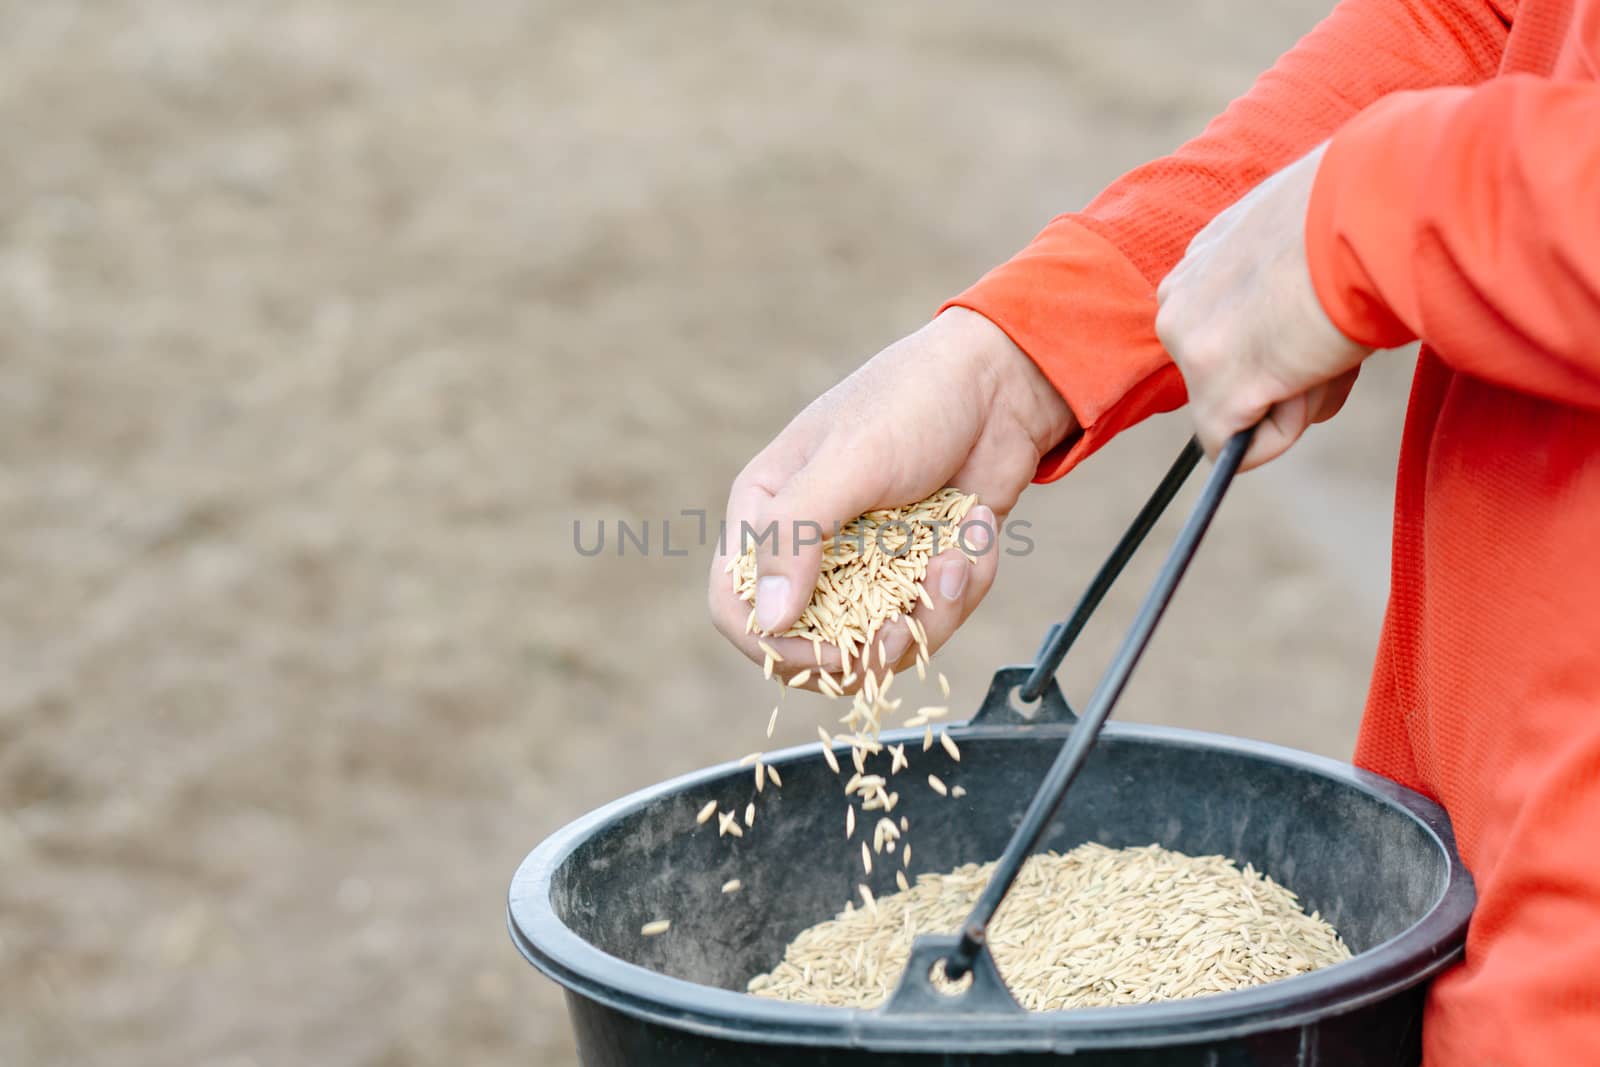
[{"x": 1092, "y": 928}]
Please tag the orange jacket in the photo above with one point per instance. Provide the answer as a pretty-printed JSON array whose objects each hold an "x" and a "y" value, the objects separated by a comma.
[{"x": 1459, "y": 202}]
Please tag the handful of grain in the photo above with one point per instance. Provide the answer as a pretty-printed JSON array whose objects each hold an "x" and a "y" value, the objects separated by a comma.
[
  {"x": 1091, "y": 928},
  {"x": 871, "y": 572}
]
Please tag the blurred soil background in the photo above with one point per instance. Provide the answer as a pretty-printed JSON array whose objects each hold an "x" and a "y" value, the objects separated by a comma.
[{"x": 321, "y": 324}]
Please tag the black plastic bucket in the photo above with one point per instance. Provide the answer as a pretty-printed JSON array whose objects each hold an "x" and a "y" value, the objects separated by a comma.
[{"x": 1377, "y": 860}]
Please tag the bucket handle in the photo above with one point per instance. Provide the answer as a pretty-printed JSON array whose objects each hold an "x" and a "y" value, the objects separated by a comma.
[
  {"x": 969, "y": 953},
  {"x": 1020, "y": 696}
]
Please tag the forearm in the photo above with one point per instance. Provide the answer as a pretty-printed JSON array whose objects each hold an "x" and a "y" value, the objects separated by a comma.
[{"x": 1467, "y": 218}]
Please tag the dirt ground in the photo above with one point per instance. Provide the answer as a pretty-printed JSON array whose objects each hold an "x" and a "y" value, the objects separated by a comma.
[{"x": 321, "y": 324}]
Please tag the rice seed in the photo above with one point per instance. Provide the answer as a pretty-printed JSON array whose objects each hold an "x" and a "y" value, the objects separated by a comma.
[
  {"x": 705, "y": 813},
  {"x": 829, "y": 758},
  {"x": 732, "y": 885},
  {"x": 761, "y": 775},
  {"x": 772, "y": 721},
  {"x": 944, "y": 686},
  {"x": 800, "y": 679},
  {"x": 771, "y": 652},
  {"x": 927, "y": 738},
  {"x": 849, "y": 821},
  {"x": 750, "y": 814},
  {"x": 659, "y": 926},
  {"x": 937, "y": 785},
  {"x": 897, "y": 758},
  {"x": 777, "y": 779},
  {"x": 766, "y": 667},
  {"x": 922, "y": 595},
  {"x": 868, "y": 899},
  {"x": 746, "y": 761},
  {"x": 958, "y": 791},
  {"x": 905, "y": 855},
  {"x": 905, "y": 823},
  {"x": 900, "y": 880},
  {"x": 866, "y": 858},
  {"x": 949, "y": 744}
]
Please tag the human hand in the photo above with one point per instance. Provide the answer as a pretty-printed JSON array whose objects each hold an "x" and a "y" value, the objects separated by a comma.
[
  {"x": 1242, "y": 321},
  {"x": 956, "y": 403}
]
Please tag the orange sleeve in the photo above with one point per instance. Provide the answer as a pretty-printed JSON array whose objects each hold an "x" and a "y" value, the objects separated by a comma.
[
  {"x": 1080, "y": 299},
  {"x": 1470, "y": 218}
]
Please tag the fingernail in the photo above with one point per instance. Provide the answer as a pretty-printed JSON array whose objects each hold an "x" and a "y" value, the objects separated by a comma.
[
  {"x": 772, "y": 594},
  {"x": 977, "y": 533},
  {"x": 954, "y": 579}
]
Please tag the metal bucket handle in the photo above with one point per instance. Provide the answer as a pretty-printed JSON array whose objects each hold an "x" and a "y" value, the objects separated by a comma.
[{"x": 1007, "y": 701}]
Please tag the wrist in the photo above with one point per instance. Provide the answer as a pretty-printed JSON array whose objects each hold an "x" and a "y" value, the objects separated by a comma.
[{"x": 1010, "y": 382}]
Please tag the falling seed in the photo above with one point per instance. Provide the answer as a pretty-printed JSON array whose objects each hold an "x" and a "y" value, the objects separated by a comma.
[
  {"x": 958, "y": 791},
  {"x": 927, "y": 738},
  {"x": 706, "y": 812},
  {"x": 922, "y": 669},
  {"x": 750, "y": 814},
  {"x": 944, "y": 686},
  {"x": 766, "y": 667},
  {"x": 897, "y": 758},
  {"x": 777, "y": 780},
  {"x": 772, "y": 721},
  {"x": 800, "y": 679},
  {"x": 761, "y": 775},
  {"x": 938, "y": 785},
  {"x": 900, "y": 880},
  {"x": 770, "y": 651},
  {"x": 922, "y": 595},
  {"x": 726, "y": 824},
  {"x": 829, "y": 758},
  {"x": 732, "y": 885},
  {"x": 866, "y": 857},
  {"x": 660, "y": 926},
  {"x": 905, "y": 824},
  {"x": 849, "y": 822},
  {"x": 949, "y": 745},
  {"x": 868, "y": 899},
  {"x": 748, "y": 760},
  {"x": 905, "y": 855}
]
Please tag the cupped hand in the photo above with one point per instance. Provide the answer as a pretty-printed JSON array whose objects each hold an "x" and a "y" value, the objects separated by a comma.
[
  {"x": 956, "y": 403},
  {"x": 1242, "y": 321}
]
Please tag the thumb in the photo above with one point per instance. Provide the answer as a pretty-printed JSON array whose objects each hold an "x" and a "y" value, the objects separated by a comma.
[
  {"x": 1285, "y": 421},
  {"x": 789, "y": 532}
]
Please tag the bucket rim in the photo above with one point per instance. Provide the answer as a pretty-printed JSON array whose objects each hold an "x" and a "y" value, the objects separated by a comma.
[{"x": 1429, "y": 945}]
